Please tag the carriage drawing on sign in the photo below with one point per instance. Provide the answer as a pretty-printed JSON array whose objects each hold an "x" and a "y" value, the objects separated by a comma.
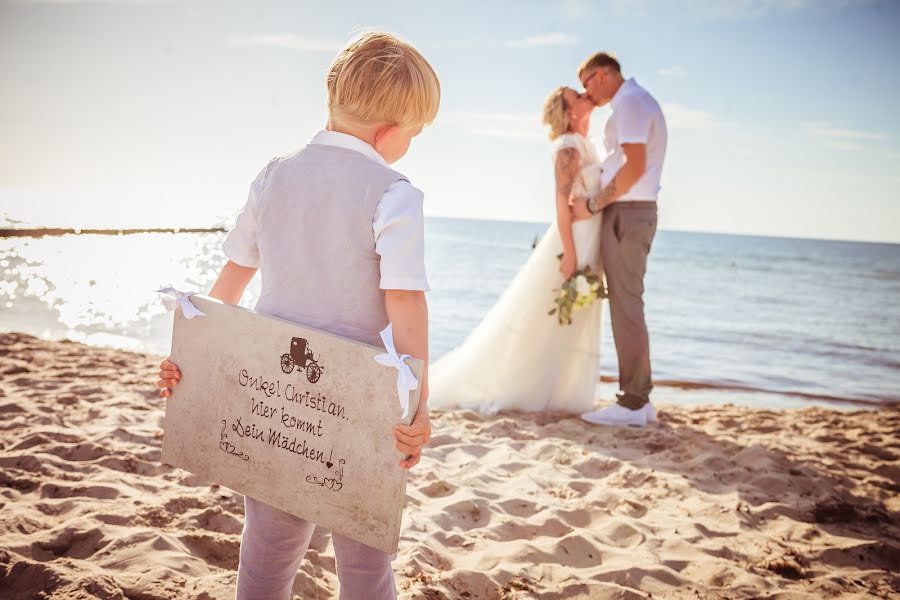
[{"x": 301, "y": 357}]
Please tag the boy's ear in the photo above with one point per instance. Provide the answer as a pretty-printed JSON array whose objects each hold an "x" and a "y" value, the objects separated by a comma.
[{"x": 384, "y": 134}]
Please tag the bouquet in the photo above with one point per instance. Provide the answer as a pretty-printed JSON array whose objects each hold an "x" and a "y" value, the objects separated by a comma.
[{"x": 579, "y": 291}]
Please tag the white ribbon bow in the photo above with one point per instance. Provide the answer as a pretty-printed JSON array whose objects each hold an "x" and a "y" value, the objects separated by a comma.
[
  {"x": 406, "y": 381},
  {"x": 182, "y": 299}
]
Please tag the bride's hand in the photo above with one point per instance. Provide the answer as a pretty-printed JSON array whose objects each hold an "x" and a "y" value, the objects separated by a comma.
[{"x": 567, "y": 264}]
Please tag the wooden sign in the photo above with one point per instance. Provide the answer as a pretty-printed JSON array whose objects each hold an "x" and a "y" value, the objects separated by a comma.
[{"x": 295, "y": 417}]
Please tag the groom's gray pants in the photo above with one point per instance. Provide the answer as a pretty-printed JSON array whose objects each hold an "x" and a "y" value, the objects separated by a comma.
[{"x": 628, "y": 231}]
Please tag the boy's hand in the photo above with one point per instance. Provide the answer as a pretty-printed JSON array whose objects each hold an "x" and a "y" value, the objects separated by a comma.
[
  {"x": 169, "y": 375},
  {"x": 410, "y": 439}
]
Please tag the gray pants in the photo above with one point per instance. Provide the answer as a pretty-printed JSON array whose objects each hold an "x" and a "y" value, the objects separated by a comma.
[
  {"x": 628, "y": 230},
  {"x": 272, "y": 547}
]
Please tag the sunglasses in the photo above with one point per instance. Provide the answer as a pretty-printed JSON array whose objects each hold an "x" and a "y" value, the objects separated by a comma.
[{"x": 589, "y": 77}]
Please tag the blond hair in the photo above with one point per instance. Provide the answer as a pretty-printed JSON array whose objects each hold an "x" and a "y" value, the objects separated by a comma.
[
  {"x": 556, "y": 113},
  {"x": 600, "y": 60},
  {"x": 380, "y": 78}
]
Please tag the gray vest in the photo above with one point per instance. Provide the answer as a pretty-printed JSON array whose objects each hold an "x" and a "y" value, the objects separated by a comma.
[{"x": 317, "y": 250}]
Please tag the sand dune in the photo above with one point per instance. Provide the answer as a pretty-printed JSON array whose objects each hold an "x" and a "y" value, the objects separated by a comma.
[{"x": 713, "y": 502}]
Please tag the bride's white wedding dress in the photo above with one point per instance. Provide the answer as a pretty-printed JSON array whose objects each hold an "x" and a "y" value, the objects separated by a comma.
[{"x": 519, "y": 357}]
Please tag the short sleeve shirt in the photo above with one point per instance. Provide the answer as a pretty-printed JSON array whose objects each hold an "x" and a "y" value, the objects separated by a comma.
[
  {"x": 637, "y": 119},
  {"x": 398, "y": 224}
]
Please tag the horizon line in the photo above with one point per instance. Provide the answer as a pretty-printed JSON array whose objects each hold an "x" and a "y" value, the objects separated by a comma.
[{"x": 11, "y": 232}]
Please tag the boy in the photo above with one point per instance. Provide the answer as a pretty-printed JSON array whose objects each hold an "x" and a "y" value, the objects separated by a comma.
[{"x": 339, "y": 239}]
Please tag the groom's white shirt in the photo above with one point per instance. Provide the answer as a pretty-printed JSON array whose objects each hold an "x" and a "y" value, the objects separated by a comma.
[{"x": 637, "y": 119}]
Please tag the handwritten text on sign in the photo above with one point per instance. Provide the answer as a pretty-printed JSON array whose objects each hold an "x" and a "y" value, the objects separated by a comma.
[{"x": 306, "y": 431}]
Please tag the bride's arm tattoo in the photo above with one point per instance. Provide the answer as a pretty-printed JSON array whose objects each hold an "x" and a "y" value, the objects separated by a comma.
[{"x": 567, "y": 162}]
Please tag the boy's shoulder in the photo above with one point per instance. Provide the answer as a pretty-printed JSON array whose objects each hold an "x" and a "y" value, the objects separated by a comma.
[
  {"x": 284, "y": 163},
  {"x": 338, "y": 155}
]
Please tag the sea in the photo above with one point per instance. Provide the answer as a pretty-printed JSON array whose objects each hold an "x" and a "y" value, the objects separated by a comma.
[{"x": 759, "y": 321}]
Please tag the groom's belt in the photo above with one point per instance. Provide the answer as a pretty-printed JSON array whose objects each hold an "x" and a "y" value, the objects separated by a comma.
[{"x": 634, "y": 203}]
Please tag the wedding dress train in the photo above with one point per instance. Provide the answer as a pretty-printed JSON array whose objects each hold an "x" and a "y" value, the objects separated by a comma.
[{"x": 519, "y": 357}]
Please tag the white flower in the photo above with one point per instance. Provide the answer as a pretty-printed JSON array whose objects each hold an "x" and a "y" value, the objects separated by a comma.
[{"x": 582, "y": 286}]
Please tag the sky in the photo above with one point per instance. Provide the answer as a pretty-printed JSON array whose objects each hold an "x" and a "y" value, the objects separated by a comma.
[{"x": 782, "y": 114}]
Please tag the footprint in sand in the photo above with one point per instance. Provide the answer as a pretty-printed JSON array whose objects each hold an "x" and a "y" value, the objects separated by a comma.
[
  {"x": 632, "y": 509},
  {"x": 127, "y": 463},
  {"x": 582, "y": 488},
  {"x": 10, "y": 408},
  {"x": 23, "y": 484},
  {"x": 464, "y": 515},
  {"x": 56, "y": 508},
  {"x": 578, "y": 552},
  {"x": 438, "y": 489},
  {"x": 99, "y": 492},
  {"x": 509, "y": 531},
  {"x": 25, "y": 462},
  {"x": 423, "y": 556},
  {"x": 27, "y": 579},
  {"x": 215, "y": 519},
  {"x": 454, "y": 540},
  {"x": 78, "y": 452},
  {"x": 622, "y": 535},
  {"x": 45, "y": 437},
  {"x": 70, "y": 543},
  {"x": 597, "y": 468},
  {"x": 519, "y": 508},
  {"x": 219, "y": 550}
]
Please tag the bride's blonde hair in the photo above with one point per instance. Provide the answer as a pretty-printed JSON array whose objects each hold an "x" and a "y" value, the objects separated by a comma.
[{"x": 556, "y": 113}]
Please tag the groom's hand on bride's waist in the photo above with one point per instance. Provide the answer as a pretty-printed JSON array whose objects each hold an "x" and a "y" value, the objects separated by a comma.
[{"x": 578, "y": 208}]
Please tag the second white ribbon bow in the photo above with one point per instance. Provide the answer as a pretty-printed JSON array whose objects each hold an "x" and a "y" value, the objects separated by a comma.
[
  {"x": 182, "y": 299},
  {"x": 406, "y": 381}
]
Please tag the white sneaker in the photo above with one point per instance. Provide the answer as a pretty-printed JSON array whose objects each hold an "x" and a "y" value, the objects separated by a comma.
[
  {"x": 617, "y": 415},
  {"x": 651, "y": 413}
]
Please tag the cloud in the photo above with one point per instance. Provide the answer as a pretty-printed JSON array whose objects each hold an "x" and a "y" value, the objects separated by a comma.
[
  {"x": 529, "y": 136},
  {"x": 288, "y": 41},
  {"x": 742, "y": 9},
  {"x": 575, "y": 9},
  {"x": 120, "y": 2},
  {"x": 705, "y": 9},
  {"x": 517, "y": 118},
  {"x": 511, "y": 126},
  {"x": 528, "y": 126},
  {"x": 753, "y": 9},
  {"x": 679, "y": 116},
  {"x": 838, "y": 138},
  {"x": 826, "y": 130},
  {"x": 676, "y": 71},
  {"x": 545, "y": 39},
  {"x": 840, "y": 145}
]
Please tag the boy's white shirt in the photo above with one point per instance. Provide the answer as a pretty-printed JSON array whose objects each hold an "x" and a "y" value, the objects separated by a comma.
[{"x": 398, "y": 224}]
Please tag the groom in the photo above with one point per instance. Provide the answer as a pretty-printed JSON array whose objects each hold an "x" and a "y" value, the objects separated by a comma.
[{"x": 636, "y": 131}]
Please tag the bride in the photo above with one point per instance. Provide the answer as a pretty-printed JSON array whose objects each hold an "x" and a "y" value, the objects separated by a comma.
[{"x": 519, "y": 357}]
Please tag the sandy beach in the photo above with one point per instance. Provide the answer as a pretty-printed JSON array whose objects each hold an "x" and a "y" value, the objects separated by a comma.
[{"x": 713, "y": 502}]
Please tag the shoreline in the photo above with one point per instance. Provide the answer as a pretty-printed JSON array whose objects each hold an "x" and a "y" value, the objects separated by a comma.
[
  {"x": 727, "y": 387},
  {"x": 719, "y": 501},
  {"x": 672, "y": 391},
  {"x": 59, "y": 231}
]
